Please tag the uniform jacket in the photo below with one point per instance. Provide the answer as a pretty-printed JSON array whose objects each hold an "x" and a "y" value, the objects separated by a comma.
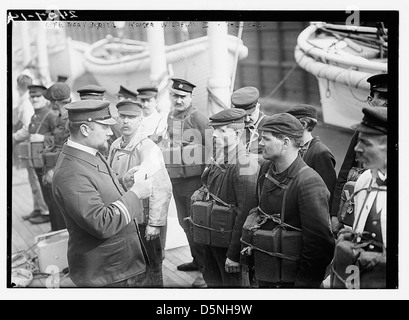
[
  {"x": 319, "y": 157},
  {"x": 235, "y": 183},
  {"x": 347, "y": 164},
  {"x": 306, "y": 208},
  {"x": 141, "y": 151},
  {"x": 364, "y": 201},
  {"x": 180, "y": 122},
  {"x": 104, "y": 246},
  {"x": 46, "y": 126}
]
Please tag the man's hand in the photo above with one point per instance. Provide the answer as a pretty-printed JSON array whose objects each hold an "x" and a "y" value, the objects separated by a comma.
[
  {"x": 128, "y": 178},
  {"x": 48, "y": 177},
  {"x": 335, "y": 225},
  {"x": 36, "y": 137},
  {"x": 142, "y": 188},
  {"x": 231, "y": 266},
  {"x": 151, "y": 232}
]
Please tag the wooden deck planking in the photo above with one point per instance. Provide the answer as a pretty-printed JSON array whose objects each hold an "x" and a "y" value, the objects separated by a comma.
[{"x": 23, "y": 234}]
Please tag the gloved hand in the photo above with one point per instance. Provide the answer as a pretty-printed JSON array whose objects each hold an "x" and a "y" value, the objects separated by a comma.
[
  {"x": 36, "y": 137},
  {"x": 142, "y": 187},
  {"x": 151, "y": 232},
  {"x": 231, "y": 266}
]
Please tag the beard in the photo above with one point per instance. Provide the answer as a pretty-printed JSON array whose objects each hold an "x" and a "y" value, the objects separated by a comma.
[{"x": 103, "y": 147}]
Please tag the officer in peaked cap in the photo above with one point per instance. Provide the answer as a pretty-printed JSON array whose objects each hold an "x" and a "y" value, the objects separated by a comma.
[
  {"x": 125, "y": 93},
  {"x": 90, "y": 111},
  {"x": 232, "y": 177},
  {"x": 91, "y": 92},
  {"x": 305, "y": 204},
  {"x": 182, "y": 87},
  {"x": 186, "y": 118},
  {"x": 104, "y": 247},
  {"x": 147, "y": 96},
  {"x": 247, "y": 98},
  {"x": 313, "y": 151}
]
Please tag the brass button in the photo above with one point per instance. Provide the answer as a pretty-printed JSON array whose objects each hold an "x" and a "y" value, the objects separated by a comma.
[
  {"x": 371, "y": 246},
  {"x": 374, "y": 222},
  {"x": 373, "y": 235}
]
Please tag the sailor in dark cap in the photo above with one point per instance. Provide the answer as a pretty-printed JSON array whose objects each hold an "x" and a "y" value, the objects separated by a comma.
[
  {"x": 154, "y": 124},
  {"x": 132, "y": 149},
  {"x": 294, "y": 192},
  {"x": 125, "y": 93},
  {"x": 232, "y": 177},
  {"x": 350, "y": 168},
  {"x": 313, "y": 151},
  {"x": 59, "y": 94},
  {"x": 247, "y": 98},
  {"x": 370, "y": 215},
  {"x": 104, "y": 247},
  {"x": 187, "y": 128}
]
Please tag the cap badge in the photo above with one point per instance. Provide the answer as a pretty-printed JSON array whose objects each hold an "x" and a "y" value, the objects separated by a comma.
[{"x": 181, "y": 86}]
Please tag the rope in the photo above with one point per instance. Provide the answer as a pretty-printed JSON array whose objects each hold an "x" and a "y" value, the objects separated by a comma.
[
  {"x": 276, "y": 219},
  {"x": 213, "y": 97},
  {"x": 207, "y": 228},
  {"x": 272, "y": 254},
  {"x": 282, "y": 81}
]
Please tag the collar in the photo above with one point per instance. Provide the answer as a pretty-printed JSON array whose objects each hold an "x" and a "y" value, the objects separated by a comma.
[
  {"x": 81, "y": 147},
  {"x": 378, "y": 177},
  {"x": 232, "y": 156},
  {"x": 293, "y": 169}
]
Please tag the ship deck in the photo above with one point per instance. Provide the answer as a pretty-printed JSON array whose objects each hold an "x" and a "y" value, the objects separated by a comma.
[{"x": 23, "y": 235}]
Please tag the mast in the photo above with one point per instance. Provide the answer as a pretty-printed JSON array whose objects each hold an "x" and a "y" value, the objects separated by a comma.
[
  {"x": 218, "y": 84},
  {"x": 159, "y": 74}
]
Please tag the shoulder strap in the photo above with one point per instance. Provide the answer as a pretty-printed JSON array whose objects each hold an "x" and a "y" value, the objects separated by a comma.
[{"x": 42, "y": 121}]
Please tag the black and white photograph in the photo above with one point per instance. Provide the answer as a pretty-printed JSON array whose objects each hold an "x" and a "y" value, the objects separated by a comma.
[{"x": 190, "y": 153}]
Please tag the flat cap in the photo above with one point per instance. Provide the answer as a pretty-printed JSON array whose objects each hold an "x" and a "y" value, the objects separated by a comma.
[
  {"x": 92, "y": 92},
  {"x": 379, "y": 82},
  {"x": 282, "y": 123},
  {"x": 58, "y": 91},
  {"x": 147, "y": 92},
  {"x": 227, "y": 116},
  {"x": 303, "y": 110},
  {"x": 182, "y": 87},
  {"x": 129, "y": 107},
  {"x": 35, "y": 89},
  {"x": 90, "y": 110},
  {"x": 374, "y": 121},
  {"x": 126, "y": 93},
  {"x": 245, "y": 98}
]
